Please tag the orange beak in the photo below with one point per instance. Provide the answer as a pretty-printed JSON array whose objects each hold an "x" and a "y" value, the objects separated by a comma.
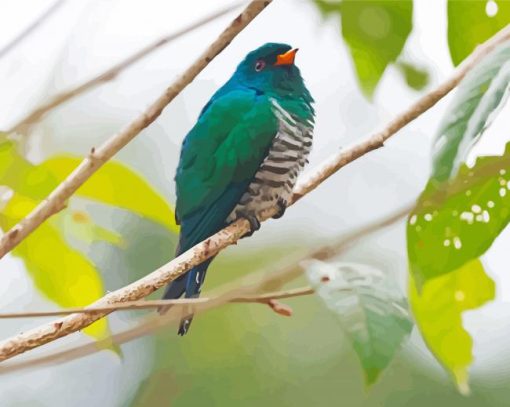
[{"x": 287, "y": 58}]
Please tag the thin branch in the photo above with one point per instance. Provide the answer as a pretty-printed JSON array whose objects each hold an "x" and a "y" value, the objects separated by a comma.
[
  {"x": 28, "y": 30},
  {"x": 229, "y": 235},
  {"x": 140, "y": 305},
  {"x": 272, "y": 277},
  {"x": 111, "y": 73}
]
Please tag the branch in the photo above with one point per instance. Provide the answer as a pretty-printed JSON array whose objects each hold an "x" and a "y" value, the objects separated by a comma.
[
  {"x": 139, "y": 305},
  {"x": 27, "y": 31},
  {"x": 229, "y": 235},
  {"x": 39, "y": 112},
  {"x": 97, "y": 157},
  {"x": 273, "y": 277}
]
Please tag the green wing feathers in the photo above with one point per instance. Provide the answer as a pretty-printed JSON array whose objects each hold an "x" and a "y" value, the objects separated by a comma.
[{"x": 226, "y": 146}]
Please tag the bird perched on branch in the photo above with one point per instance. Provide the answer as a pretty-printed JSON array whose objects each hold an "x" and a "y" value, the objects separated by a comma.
[{"x": 243, "y": 155}]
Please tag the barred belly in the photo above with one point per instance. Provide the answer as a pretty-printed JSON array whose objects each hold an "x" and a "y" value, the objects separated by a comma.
[{"x": 279, "y": 171}]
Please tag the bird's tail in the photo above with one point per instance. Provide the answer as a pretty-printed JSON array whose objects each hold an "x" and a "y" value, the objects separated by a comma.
[{"x": 188, "y": 284}]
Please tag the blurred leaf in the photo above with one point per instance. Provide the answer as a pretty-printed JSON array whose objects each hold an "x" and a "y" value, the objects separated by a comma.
[
  {"x": 62, "y": 274},
  {"x": 469, "y": 24},
  {"x": 416, "y": 78},
  {"x": 375, "y": 32},
  {"x": 371, "y": 309},
  {"x": 477, "y": 101},
  {"x": 458, "y": 221},
  {"x": 115, "y": 184},
  {"x": 438, "y": 312}
]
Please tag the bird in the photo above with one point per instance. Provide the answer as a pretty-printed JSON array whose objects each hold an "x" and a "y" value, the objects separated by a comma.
[{"x": 243, "y": 155}]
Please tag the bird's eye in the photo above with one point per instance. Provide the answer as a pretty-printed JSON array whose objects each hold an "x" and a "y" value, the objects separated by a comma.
[{"x": 260, "y": 65}]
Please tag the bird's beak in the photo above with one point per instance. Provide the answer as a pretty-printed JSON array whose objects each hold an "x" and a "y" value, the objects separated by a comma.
[{"x": 286, "y": 58}]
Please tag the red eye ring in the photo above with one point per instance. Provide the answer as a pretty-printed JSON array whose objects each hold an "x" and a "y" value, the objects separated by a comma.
[{"x": 260, "y": 65}]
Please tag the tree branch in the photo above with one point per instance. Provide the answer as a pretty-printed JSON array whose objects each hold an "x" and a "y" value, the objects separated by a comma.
[
  {"x": 97, "y": 157},
  {"x": 24, "y": 124},
  {"x": 273, "y": 277},
  {"x": 28, "y": 30},
  {"x": 211, "y": 246}
]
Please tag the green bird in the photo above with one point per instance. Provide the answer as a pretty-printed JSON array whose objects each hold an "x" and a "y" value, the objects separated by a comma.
[{"x": 243, "y": 155}]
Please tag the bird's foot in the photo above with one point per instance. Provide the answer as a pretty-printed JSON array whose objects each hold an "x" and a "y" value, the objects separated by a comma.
[
  {"x": 254, "y": 223},
  {"x": 281, "y": 206}
]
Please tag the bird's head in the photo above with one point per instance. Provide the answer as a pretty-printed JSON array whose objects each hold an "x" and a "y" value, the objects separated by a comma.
[{"x": 270, "y": 69}]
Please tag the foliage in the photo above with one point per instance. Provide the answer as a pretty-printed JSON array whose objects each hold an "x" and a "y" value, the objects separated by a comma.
[
  {"x": 371, "y": 309},
  {"x": 458, "y": 216},
  {"x": 72, "y": 280},
  {"x": 469, "y": 24},
  {"x": 375, "y": 32}
]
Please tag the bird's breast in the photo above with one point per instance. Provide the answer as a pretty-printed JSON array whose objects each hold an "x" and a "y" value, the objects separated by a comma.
[{"x": 279, "y": 171}]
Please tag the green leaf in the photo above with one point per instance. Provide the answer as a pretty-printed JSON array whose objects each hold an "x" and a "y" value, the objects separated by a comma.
[
  {"x": 458, "y": 221},
  {"x": 470, "y": 25},
  {"x": 416, "y": 78},
  {"x": 375, "y": 32},
  {"x": 438, "y": 309},
  {"x": 62, "y": 274},
  {"x": 117, "y": 185},
  {"x": 479, "y": 96},
  {"x": 371, "y": 310}
]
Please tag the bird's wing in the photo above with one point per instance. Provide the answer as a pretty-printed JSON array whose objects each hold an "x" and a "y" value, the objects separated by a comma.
[{"x": 219, "y": 158}]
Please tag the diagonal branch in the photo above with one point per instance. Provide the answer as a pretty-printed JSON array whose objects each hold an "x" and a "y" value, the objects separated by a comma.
[
  {"x": 211, "y": 246},
  {"x": 111, "y": 73},
  {"x": 97, "y": 157}
]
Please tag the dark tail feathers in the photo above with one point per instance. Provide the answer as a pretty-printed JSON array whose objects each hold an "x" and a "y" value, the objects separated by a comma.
[{"x": 188, "y": 284}]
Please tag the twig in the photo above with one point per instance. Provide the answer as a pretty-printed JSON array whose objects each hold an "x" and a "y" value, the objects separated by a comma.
[
  {"x": 28, "y": 30},
  {"x": 274, "y": 277},
  {"x": 139, "y": 305},
  {"x": 229, "y": 235},
  {"x": 111, "y": 73}
]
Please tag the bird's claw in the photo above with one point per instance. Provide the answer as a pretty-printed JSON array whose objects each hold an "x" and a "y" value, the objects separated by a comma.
[
  {"x": 281, "y": 206},
  {"x": 254, "y": 224}
]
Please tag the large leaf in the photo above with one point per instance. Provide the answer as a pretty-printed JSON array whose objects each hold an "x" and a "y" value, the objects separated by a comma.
[
  {"x": 469, "y": 24},
  {"x": 474, "y": 106},
  {"x": 117, "y": 185},
  {"x": 438, "y": 312},
  {"x": 458, "y": 221},
  {"x": 375, "y": 32},
  {"x": 371, "y": 309}
]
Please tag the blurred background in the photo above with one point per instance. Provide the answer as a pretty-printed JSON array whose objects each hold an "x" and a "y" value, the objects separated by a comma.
[{"x": 237, "y": 354}]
